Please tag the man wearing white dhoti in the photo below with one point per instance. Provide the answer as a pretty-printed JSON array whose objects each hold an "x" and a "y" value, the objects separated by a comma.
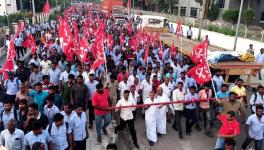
[
  {"x": 161, "y": 114},
  {"x": 151, "y": 119}
]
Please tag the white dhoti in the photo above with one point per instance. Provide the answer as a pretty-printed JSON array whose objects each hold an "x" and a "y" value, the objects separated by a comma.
[
  {"x": 161, "y": 115},
  {"x": 162, "y": 120},
  {"x": 151, "y": 120}
]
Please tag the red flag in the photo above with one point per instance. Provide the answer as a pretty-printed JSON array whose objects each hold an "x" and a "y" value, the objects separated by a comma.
[
  {"x": 83, "y": 49},
  {"x": 146, "y": 52},
  {"x": 30, "y": 43},
  {"x": 179, "y": 28},
  {"x": 122, "y": 39},
  {"x": 99, "y": 53},
  {"x": 20, "y": 28},
  {"x": 46, "y": 7},
  {"x": 133, "y": 43},
  {"x": 9, "y": 63},
  {"x": 161, "y": 51},
  {"x": 173, "y": 49},
  {"x": 199, "y": 52},
  {"x": 200, "y": 73},
  {"x": 110, "y": 41}
]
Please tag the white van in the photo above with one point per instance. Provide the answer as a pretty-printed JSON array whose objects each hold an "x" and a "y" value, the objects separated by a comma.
[{"x": 152, "y": 23}]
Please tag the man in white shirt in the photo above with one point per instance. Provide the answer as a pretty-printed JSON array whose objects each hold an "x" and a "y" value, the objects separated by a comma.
[
  {"x": 12, "y": 138},
  {"x": 218, "y": 80},
  {"x": 257, "y": 98},
  {"x": 178, "y": 95},
  {"x": 19, "y": 48},
  {"x": 67, "y": 112},
  {"x": 60, "y": 133},
  {"x": 255, "y": 129},
  {"x": 151, "y": 118},
  {"x": 11, "y": 86},
  {"x": 35, "y": 60},
  {"x": 146, "y": 87},
  {"x": 260, "y": 59},
  {"x": 45, "y": 64},
  {"x": 189, "y": 33},
  {"x": 38, "y": 135},
  {"x": 7, "y": 114},
  {"x": 50, "y": 109},
  {"x": 123, "y": 85},
  {"x": 190, "y": 109},
  {"x": 78, "y": 124},
  {"x": 161, "y": 114},
  {"x": 54, "y": 74},
  {"x": 167, "y": 87},
  {"x": 91, "y": 86},
  {"x": 64, "y": 75},
  {"x": 126, "y": 116}
]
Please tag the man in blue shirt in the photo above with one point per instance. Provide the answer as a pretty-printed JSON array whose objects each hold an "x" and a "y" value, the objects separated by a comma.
[
  {"x": 223, "y": 93},
  {"x": 39, "y": 96}
]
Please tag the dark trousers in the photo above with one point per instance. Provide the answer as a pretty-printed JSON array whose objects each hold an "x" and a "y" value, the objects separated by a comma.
[
  {"x": 91, "y": 112},
  {"x": 248, "y": 140},
  {"x": 131, "y": 128},
  {"x": 80, "y": 145},
  {"x": 177, "y": 121},
  {"x": 191, "y": 119},
  {"x": 19, "y": 49},
  {"x": 189, "y": 37}
]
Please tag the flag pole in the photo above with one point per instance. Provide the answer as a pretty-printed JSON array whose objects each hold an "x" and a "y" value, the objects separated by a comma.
[{"x": 212, "y": 82}]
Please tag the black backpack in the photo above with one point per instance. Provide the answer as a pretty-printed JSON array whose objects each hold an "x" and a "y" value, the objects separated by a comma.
[{"x": 67, "y": 127}]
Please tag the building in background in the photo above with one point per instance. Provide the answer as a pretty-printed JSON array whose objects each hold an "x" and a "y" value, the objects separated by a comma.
[
  {"x": 8, "y": 7},
  {"x": 190, "y": 8},
  {"x": 257, "y": 5}
]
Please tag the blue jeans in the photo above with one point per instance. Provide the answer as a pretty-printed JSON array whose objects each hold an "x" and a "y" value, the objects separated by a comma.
[
  {"x": 98, "y": 120},
  {"x": 220, "y": 142},
  {"x": 248, "y": 140}
]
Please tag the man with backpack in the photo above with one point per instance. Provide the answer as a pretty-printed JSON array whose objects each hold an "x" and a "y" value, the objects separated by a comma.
[
  {"x": 60, "y": 133},
  {"x": 12, "y": 87},
  {"x": 257, "y": 98}
]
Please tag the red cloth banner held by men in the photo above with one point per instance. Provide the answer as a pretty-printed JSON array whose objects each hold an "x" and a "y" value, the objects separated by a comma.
[
  {"x": 46, "y": 7},
  {"x": 200, "y": 73},
  {"x": 83, "y": 49},
  {"x": 30, "y": 43},
  {"x": 199, "y": 52},
  {"x": 179, "y": 28}
]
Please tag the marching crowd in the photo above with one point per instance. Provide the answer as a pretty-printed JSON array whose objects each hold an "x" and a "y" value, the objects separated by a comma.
[{"x": 44, "y": 105}]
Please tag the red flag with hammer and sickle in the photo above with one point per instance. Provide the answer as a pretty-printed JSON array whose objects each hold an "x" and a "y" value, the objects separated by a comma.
[
  {"x": 200, "y": 73},
  {"x": 179, "y": 28},
  {"x": 30, "y": 43},
  {"x": 199, "y": 52}
]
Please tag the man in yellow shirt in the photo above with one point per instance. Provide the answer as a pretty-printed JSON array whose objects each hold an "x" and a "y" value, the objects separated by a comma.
[{"x": 240, "y": 91}]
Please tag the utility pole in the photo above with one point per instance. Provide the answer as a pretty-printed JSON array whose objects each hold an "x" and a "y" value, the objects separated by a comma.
[
  {"x": 201, "y": 17},
  {"x": 33, "y": 11},
  {"x": 238, "y": 23}
]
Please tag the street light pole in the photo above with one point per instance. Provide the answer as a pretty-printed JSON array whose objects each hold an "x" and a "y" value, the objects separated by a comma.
[
  {"x": 33, "y": 10},
  {"x": 238, "y": 23}
]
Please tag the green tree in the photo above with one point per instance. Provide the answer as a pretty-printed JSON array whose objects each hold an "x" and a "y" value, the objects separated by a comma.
[
  {"x": 231, "y": 15},
  {"x": 249, "y": 16},
  {"x": 213, "y": 13}
]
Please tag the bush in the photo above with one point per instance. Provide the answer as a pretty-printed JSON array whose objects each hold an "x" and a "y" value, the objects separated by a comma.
[
  {"x": 231, "y": 15},
  {"x": 249, "y": 15},
  {"x": 3, "y": 21},
  {"x": 224, "y": 30},
  {"x": 213, "y": 13},
  {"x": 19, "y": 16}
]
